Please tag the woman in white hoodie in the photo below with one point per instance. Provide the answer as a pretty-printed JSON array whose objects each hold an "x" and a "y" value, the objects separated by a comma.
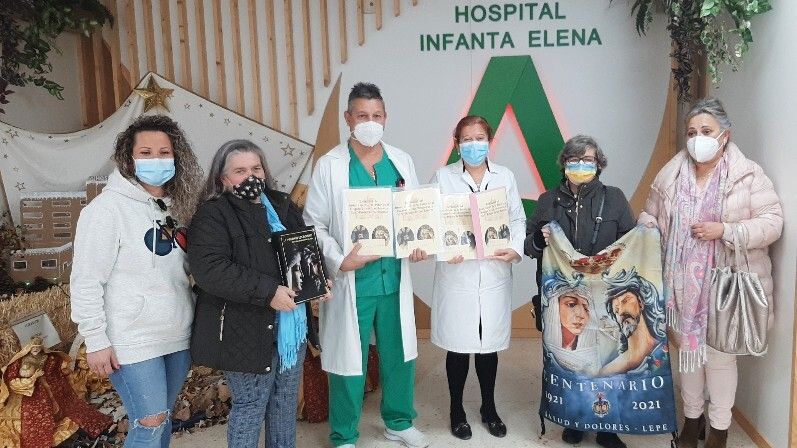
[{"x": 131, "y": 297}]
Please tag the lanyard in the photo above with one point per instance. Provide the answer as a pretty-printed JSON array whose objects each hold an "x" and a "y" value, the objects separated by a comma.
[{"x": 479, "y": 190}]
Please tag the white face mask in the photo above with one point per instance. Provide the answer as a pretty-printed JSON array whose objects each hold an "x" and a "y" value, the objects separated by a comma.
[
  {"x": 369, "y": 133},
  {"x": 703, "y": 148}
]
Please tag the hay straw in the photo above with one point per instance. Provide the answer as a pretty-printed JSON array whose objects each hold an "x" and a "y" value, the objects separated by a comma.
[{"x": 54, "y": 301}]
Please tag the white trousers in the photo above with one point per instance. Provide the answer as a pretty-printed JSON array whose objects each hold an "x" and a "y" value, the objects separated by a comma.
[{"x": 719, "y": 377}]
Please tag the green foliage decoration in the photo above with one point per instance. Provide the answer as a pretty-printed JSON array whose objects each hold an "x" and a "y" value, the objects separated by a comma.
[
  {"x": 28, "y": 29},
  {"x": 717, "y": 29}
]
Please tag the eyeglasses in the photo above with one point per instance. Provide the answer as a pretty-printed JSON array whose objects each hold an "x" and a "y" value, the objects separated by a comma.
[{"x": 584, "y": 159}]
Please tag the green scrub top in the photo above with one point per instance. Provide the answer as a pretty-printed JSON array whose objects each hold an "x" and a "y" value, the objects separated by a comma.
[{"x": 382, "y": 276}]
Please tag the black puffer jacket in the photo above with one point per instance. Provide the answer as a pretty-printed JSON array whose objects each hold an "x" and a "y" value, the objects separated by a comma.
[
  {"x": 576, "y": 215},
  {"x": 236, "y": 274}
]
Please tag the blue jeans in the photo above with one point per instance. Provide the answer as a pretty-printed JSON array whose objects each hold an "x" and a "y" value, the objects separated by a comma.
[
  {"x": 149, "y": 388},
  {"x": 272, "y": 396}
]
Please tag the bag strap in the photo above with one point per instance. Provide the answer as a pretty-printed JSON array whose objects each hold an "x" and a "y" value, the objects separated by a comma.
[
  {"x": 740, "y": 246},
  {"x": 598, "y": 221}
]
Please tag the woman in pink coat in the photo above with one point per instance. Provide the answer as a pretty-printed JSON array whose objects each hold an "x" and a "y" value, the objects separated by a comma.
[{"x": 695, "y": 201}]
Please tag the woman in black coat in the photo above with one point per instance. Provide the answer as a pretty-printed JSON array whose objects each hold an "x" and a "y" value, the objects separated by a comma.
[
  {"x": 591, "y": 214},
  {"x": 242, "y": 310}
]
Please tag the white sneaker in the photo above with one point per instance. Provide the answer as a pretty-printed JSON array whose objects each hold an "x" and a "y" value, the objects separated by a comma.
[
  {"x": 348, "y": 445},
  {"x": 410, "y": 437}
]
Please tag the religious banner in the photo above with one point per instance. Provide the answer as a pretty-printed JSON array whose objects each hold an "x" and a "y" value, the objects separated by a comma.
[{"x": 606, "y": 359}]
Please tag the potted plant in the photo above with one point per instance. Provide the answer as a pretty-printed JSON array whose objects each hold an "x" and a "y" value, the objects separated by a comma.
[{"x": 718, "y": 30}]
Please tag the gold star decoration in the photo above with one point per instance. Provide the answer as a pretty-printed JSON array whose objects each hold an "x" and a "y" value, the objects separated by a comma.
[{"x": 154, "y": 96}]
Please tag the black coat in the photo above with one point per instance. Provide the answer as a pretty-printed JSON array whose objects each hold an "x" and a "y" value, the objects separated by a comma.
[
  {"x": 237, "y": 274},
  {"x": 576, "y": 215}
]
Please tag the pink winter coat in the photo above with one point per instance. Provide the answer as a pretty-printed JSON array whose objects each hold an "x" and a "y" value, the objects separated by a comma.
[{"x": 749, "y": 199}]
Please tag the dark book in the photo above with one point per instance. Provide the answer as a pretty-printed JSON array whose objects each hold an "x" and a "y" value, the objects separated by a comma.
[{"x": 301, "y": 263}]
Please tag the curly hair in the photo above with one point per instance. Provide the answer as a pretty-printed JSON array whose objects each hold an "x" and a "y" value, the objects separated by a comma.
[
  {"x": 630, "y": 281},
  {"x": 184, "y": 187}
]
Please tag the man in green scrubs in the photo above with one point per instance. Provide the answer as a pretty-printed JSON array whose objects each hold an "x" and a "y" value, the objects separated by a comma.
[{"x": 383, "y": 293}]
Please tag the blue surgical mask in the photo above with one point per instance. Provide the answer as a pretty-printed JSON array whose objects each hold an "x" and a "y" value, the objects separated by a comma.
[
  {"x": 474, "y": 153},
  {"x": 155, "y": 172}
]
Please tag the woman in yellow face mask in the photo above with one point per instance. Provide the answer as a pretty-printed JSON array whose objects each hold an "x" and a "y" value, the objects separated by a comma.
[{"x": 591, "y": 214}]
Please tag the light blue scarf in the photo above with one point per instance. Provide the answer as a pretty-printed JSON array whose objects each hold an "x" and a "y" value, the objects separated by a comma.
[{"x": 291, "y": 325}]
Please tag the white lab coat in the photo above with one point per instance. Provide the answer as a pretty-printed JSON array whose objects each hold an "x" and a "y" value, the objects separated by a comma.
[
  {"x": 339, "y": 332},
  {"x": 475, "y": 291}
]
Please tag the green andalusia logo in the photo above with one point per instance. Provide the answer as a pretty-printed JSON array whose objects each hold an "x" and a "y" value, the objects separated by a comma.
[{"x": 511, "y": 84}]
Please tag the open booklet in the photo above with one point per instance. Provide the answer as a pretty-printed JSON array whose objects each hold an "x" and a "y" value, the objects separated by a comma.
[
  {"x": 416, "y": 218},
  {"x": 458, "y": 236},
  {"x": 392, "y": 223},
  {"x": 476, "y": 224},
  {"x": 369, "y": 221},
  {"x": 490, "y": 221}
]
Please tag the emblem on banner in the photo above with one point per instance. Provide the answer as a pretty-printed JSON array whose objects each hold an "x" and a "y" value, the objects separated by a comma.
[{"x": 601, "y": 406}]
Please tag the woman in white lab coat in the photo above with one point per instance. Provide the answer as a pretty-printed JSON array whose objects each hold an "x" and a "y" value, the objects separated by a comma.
[{"x": 472, "y": 303}]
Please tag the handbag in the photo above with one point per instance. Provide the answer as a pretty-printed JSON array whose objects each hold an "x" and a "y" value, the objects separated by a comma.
[{"x": 739, "y": 309}]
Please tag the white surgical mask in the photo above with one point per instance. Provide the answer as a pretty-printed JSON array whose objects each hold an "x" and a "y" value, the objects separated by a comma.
[
  {"x": 703, "y": 148},
  {"x": 369, "y": 133}
]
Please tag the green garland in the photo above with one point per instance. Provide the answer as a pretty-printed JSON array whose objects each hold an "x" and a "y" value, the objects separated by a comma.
[
  {"x": 28, "y": 29},
  {"x": 700, "y": 27}
]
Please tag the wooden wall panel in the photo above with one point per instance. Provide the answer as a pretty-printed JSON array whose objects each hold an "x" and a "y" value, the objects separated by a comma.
[
  {"x": 235, "y": 20},
  {"x": 291, "y": 67},
  {"x": 325, "y": 60},
  {"x": 254, "y": 47},
  {"x": 342, "y": 32},
  {"x": 378, "y": 14},
  {"x": 185, "y": 45},
  {"x": 132, "y": 42},
  {"x": 309, "y": 83},
  {"x": 204, "y": 81},
  {"x": 166, "y": 39},
  {"x": 109, "y": 72},
  {"x": 116, "y": 56},
  {"x": 102, "y": 89},
  {"x": 88, "y": 89},
  {"x": 221, "y": 74},
  {"x": 149, "y": 36},
  {"x": 360, "y": 22},
  {"x": 273, "y": 66}
]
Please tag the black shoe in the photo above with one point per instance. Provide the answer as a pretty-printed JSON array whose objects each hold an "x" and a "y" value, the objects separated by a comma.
[
  {"x": 572, "y": 436},
  {"x": 495, "y": 426},
  {"x": 461, "y": 430},
  {"x": 609, "y": 440}
]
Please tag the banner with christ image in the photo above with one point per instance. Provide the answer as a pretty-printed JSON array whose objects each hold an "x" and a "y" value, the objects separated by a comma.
[{"x": 607, "y": 364}]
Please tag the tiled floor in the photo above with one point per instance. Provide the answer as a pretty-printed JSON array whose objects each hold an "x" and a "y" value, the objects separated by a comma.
[{"x": 517, "y": 396}]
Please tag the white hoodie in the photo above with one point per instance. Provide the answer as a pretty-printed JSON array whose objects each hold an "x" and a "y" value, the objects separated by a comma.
[{"x": 125, "y": 293}]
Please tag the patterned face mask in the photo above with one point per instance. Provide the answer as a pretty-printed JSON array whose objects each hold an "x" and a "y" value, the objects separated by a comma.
[{"x": 250, "y": 188}]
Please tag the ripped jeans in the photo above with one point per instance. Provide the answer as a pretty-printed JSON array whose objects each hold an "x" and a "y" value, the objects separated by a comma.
[{"x": 149, "y": 389}]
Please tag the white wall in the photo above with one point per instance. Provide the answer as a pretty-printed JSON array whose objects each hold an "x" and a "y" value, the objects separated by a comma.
[{"x": 761, "y": 100}]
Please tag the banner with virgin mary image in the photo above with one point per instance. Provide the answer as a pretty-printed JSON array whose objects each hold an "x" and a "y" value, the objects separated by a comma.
[{"x": 607, "y": 363}]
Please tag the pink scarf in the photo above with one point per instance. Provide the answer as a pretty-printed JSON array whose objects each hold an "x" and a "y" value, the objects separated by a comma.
[{"x": 688, "y": 261}]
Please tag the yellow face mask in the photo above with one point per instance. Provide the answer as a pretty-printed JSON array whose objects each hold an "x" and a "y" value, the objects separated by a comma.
[{"x": 580, "y": 172}]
